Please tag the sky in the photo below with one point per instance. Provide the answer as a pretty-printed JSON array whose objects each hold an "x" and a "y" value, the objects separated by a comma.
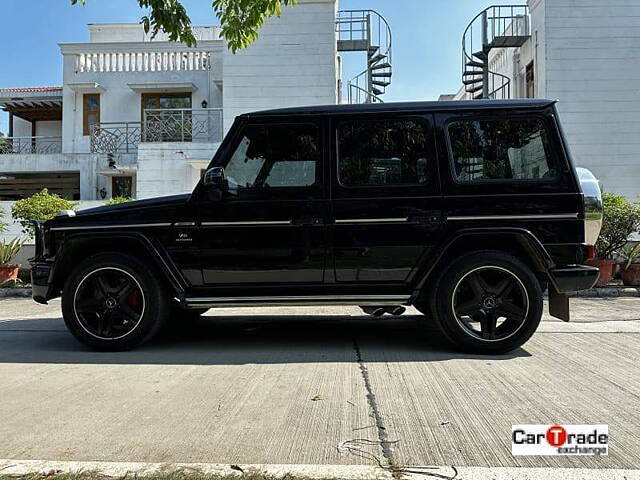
[{"x": 426, "y": 35}]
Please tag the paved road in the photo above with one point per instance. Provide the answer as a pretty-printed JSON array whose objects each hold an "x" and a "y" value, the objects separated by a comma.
[{"x": 315, "y": 386}]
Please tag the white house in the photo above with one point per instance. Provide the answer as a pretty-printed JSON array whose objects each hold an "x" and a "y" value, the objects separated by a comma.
[
  {"x": 142, "y": 117},
  {"x": 583, "y": 53}
]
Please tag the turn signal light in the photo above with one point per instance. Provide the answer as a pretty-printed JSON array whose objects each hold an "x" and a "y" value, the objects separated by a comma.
[{"x": 591, "y": 252}]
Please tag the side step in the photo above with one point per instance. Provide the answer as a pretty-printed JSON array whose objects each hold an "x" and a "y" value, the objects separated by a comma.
[{"x": 310, "y": 300}]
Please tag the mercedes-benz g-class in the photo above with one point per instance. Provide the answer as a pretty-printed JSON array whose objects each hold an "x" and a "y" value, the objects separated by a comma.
[{"x": 467, "y": 211}]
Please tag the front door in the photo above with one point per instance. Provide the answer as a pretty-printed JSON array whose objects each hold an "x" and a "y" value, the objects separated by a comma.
[
  {"x": 270, "y": 227},
  {"x": 387, "y": 207}
]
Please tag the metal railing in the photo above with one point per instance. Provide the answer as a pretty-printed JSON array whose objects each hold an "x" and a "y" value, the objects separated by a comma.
[
  {"x": 372, "y": 29},
  {"x": 357, "y": 94},
  {"x": 115, "y": 137},
  {"x": 202, "y": 125},
  {"x": 493, "y": 28},
  {"x": 365, "y": 25},
  {"x": 30, "y": 145}
]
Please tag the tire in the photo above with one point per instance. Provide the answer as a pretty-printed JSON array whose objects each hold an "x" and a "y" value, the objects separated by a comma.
[
  {"x": 488, "y": 302},
  {"x": 114, "y": 302}
]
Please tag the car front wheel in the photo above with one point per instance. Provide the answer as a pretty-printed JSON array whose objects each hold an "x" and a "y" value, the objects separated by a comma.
[
  {"x": 489, "y": 302},
  {"x": 114, "y": 302}
]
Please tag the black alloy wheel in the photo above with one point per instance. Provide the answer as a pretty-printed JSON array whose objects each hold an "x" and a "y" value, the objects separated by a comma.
[
  {"x": 115, "y": 301},
  {"x": 109, "y": 303},
  {"x": 491, "y": 303},
  {"x": 487, "y": 302}
]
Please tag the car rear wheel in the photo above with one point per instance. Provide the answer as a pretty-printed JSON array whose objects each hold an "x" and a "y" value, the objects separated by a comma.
[
  {"x": 489, "y": 302},
  {"x": 114, "y": 302}
]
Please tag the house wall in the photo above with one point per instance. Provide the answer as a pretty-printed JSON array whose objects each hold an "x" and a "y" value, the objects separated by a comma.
[
  {"x": 21, "y": 128},
  {"x": 49, "y": 128},
  {"x": 171, "y": 168},
  {"x": 86, "y": 164},
  {"x": 118, "y": 102},
  {"x": 134, "y": 32},
  {"x": 293, "y": 63},
  {"x": 593, "y": 68}
]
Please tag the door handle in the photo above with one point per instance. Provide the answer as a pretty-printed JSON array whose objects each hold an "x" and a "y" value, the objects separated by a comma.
[
  {"x": 309, "y": 220},
  {"x": 426, "y": 219}
]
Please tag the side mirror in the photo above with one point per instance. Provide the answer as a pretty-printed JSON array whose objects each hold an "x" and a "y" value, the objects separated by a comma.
[{"x": 214, "y": 177}]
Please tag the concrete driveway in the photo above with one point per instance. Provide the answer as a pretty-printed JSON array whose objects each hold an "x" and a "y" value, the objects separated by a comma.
[{"x": 315, "y": 386}]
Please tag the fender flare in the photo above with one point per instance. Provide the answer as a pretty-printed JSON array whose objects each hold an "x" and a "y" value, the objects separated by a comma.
[
  {"x": 156, "y": 251},
  {"x": 527, "y": 240}
]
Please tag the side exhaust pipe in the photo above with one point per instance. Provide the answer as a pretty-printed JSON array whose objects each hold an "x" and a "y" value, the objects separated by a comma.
[
  {"x": 375, "y": 311},
  {"x": 381, "y": 310}
]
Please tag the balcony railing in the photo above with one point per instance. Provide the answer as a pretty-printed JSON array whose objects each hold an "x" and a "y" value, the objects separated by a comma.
[
  {"x": 202, "y": 125},
  {"x": 135, "y": 61},
  {"x": 115, "y": 137},
  {"x": 30, "y": 145}
]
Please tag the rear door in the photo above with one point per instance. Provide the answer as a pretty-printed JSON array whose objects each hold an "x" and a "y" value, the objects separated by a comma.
[
  {"x": 386, "y": 204},
  {"x": 508, "y": 168}
]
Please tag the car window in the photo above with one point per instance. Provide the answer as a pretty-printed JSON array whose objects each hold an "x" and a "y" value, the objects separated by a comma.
[
  {"x": 382, "y": 152},
  {"x": 500, "y": 149},
  {"x": 274, "y": 156}
]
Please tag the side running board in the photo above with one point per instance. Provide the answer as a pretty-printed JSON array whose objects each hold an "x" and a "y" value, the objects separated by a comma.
[{"x": 362, "y": 300}]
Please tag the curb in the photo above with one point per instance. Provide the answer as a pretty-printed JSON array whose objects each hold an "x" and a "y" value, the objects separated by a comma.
[
  {"x": 608, "y": 292},
  {"x": 123, "y": 469},
  {"x": 19, "y": 292},
  {"x": 317, "y": 472}
]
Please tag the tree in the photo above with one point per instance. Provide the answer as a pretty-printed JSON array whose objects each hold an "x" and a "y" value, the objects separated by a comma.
[{"x": 240, "y": 19}]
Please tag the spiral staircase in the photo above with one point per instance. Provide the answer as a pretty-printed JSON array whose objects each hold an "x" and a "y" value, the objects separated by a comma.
[
  {"x": 366, "y": 31},
  {"x": 499, "y": 26}
]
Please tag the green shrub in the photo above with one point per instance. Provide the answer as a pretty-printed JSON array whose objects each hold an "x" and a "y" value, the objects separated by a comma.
[
  {"x": 40, "y": 206},
  {"x": 3, "y": 224},
  {"x": 621, "y": 219},
  {"x": 119, "y": 200},
  {"x": 8, "y": 251}
]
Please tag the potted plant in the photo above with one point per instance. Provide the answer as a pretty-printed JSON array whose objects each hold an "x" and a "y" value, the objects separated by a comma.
[
  {"x": 630, "y": 266},
  {"x": 8, "y": 251},
  {"x": 621, "y": 219}
]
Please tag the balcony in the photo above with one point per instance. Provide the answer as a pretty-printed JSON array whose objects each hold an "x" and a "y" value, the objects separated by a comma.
[
  {"x": 203, "y": 125},
  {"x": 115, "y": 137},
  {"x": 30, "y": 145}
]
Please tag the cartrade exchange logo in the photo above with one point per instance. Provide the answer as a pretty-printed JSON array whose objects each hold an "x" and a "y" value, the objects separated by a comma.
[{"x": 560, "y": 440}]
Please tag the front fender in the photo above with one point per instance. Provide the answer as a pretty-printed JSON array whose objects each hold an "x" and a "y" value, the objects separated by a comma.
[{"x": 74, "y": 243}]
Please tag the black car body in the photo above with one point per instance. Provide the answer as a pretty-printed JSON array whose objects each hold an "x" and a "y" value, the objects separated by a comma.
[{"x": 371, "y": 205}]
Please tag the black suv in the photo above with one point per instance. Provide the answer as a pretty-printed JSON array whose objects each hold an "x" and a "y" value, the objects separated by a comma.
[{"x": 468, "y": 211}]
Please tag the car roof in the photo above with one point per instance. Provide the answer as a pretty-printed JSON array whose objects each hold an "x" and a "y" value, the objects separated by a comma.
[{"x": 404, "y": 107}]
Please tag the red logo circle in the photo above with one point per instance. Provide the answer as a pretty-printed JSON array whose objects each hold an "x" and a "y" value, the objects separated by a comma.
[{"x": 556, "y": 436}]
